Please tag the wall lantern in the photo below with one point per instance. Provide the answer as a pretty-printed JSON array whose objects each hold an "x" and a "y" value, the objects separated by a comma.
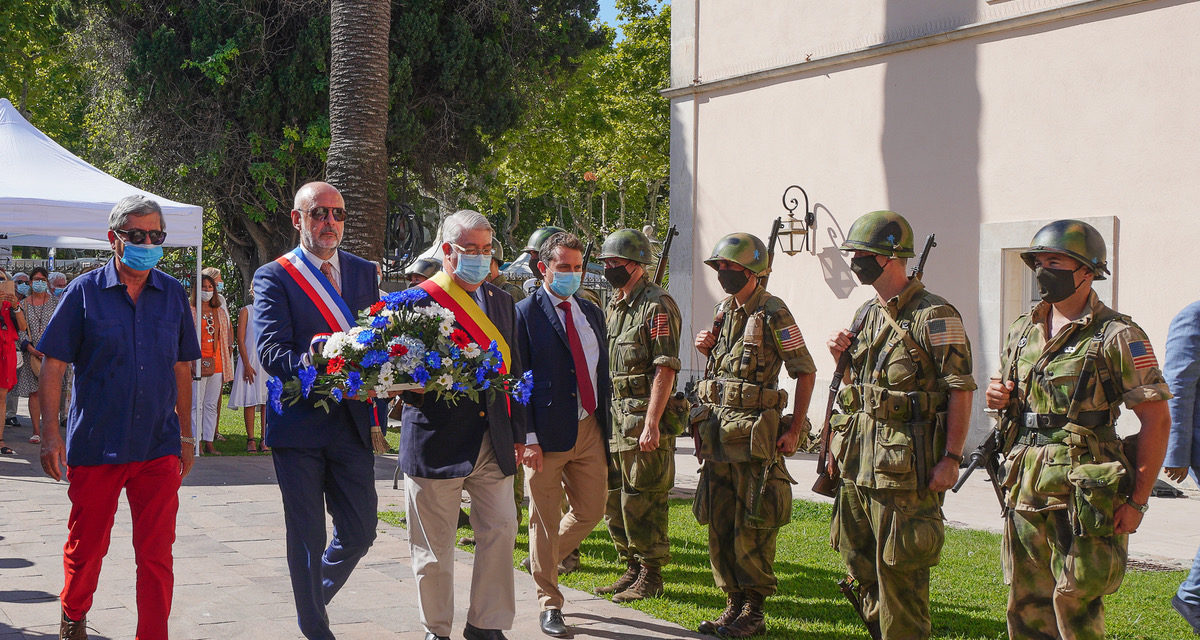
[{"x": 793, "y": 226}]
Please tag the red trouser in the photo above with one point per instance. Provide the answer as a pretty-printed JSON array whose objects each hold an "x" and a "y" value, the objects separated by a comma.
[{"x": 152, "y": 487}]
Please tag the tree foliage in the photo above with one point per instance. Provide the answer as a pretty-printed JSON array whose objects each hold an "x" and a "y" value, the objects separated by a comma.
[{"x": 38, "y": 75}]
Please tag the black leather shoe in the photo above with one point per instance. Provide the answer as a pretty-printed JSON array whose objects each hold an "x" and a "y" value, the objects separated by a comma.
[
  {"x": 429, "y": 635},
  {"x": 551, "y": 621},
  {"x": 471, "y": 632},
  {"x": 1190, "y": 612}
]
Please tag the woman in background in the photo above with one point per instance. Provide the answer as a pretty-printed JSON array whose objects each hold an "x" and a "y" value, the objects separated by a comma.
[
  {"x": 38, "y": 308},
  {"x": 12, "y": 321},
  {"x": 214, "y": 366},
  {"x": 249, "y": 383}
]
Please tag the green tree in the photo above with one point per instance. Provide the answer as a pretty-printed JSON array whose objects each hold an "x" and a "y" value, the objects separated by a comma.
[{"x": 38, "y": 74}]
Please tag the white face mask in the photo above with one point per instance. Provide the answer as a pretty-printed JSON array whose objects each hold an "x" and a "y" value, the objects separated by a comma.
[{"x": 206, "y": 295}]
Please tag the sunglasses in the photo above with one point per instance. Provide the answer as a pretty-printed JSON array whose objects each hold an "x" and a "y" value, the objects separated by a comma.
[
  {"x": 318, "y": 214},
  {"x": 138, "y": 236}
]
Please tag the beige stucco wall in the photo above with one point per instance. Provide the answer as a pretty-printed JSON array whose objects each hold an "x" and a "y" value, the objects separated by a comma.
[{"x": 976, "y": 138}]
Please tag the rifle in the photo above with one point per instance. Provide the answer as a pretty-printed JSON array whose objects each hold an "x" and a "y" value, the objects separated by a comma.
[
  {"x": 587, "y": 255},
  {"x": 920, "y": 459},
  {"x": 919, "y": 271},
  {"x": 847, "y": 586},
  {"x": 771, "y": 242},
  {"x": 660, "y": 269},
  {"x": 987, "y": 454},
  {"x": 827, "y": 483}
]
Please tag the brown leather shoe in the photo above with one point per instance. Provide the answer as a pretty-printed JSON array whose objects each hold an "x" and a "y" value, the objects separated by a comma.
[
  {"x": 624, "y": 582},
  {"x": 733, "y": 606},
  {"x": 750, "y": 622},
  {"x": 69, "y": 629},
  {"x": 649, "y": 584}
]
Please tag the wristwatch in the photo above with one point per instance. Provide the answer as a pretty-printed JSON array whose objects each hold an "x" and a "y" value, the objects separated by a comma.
[
  {"x": 187, "y": 440},
  {"x": 957, "y": 457},
  {"x": 1142, "y": 508}
]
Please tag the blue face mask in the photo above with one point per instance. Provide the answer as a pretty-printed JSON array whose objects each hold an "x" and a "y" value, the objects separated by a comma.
[
  {"x": 141, "y": 257},
  {"x": 58, "y": 291},
  {"x": 23, "y": 288},
  {"x": 473, "y": 269},
  {"x": 220, "y": 287},
  {"x": 564, "y": 285},
  {"x": 40, "y": 286}
]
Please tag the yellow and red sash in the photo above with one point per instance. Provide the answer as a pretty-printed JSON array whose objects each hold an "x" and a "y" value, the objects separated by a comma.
[{"x": 444, "y": 291}]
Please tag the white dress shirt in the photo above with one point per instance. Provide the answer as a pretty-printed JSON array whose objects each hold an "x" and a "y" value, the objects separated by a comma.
[
  {"x": 334, "y": 262},
  {"x": 591, "y": 349}
]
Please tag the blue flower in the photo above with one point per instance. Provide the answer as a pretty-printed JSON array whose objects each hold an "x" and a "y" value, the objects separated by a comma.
[
  {"x": 336, "y": 392},
  {"x": 433, "y": 360},
  {"x": 365, "y": 337},
  {"x": 481, "y": 374},
  {"x": 374, "y": 358},
  {"x": 274, "y": 393},
  {"x": 485, "y": 385},
  {"x": 458, "y": 386},
  {"x": 308, "y": 375},
  {"x": 494, "y": 349},
  {"x": 353, "y": 382},
  {"x": 455, "y": 353},
  {"x": 421, "y": 375},
  {"x": 379, "y": 322},
  {"x": 523, "y": 388}
]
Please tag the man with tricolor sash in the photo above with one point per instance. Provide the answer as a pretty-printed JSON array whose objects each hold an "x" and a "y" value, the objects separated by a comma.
[
  {"x": 472, "y": 445},
  {"x": 323, "y": 460}
]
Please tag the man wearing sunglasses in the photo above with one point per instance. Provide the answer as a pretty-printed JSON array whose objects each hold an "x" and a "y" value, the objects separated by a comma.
[
  {"x": 322, "y": 460},
  {"x": 128, "y": 330}
]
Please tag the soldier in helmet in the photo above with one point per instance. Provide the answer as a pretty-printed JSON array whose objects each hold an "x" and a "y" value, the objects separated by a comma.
[
  {"x": 899, "y": 435},
  {"x": 501, "y": 281},
  {"x": 422, "y": 270},
  {"x": 1074, "y": 494},
  {"x": 745, "y": 493},
  {"x": 643, "y": 351},
  {"x": 534, "y": 246}
]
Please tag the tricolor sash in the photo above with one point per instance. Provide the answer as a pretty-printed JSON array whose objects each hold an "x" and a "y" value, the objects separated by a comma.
[
  {"x": 318, "y": 288},
  {"x": 444, "y": 291}
]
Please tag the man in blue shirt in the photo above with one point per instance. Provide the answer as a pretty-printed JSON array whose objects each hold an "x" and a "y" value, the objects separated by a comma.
[
  {"x": 1181, "y": 368},
  {"x": 128, "y": 330}
]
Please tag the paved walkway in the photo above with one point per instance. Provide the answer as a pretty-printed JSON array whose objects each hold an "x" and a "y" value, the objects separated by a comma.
[{"x": 231, "y": 576}]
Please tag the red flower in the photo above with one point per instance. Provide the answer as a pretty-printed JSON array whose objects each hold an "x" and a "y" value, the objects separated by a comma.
[
  {"x": 460, "y": 338},
  {"x": 335, "y": 365},
  {"x": 397, "y": 350},
  {"x": 377, "y": 307}
]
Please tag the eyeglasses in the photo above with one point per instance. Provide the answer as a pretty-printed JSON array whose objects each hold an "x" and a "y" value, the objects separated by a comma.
[
  {"x": 138, "y": 236},
  {"x": 480, "y": 251},
  {"x": 318, "y": 214}
]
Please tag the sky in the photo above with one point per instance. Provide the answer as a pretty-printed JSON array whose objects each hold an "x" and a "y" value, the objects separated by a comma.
[{"x": 608, "y": 12}]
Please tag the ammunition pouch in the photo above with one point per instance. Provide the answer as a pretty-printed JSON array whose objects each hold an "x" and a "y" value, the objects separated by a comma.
[
  {"x": 632, "y": 386},
  {"x": 1097, "y": 494},
  {"x": 737, "y": 394},
  {"x": 883, "y": 404},
  {"x": 769, "y": 505}
]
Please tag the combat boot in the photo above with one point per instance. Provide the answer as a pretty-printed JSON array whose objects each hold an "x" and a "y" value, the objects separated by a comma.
[
  {"x": 749, "y": 622},
  {"x": 649, "y": 584},
  {"x": 624, "y": 582},
  {"x": 733, "y": 606}
]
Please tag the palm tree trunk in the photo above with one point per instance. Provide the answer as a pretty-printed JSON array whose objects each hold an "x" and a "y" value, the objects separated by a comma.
[{"x": 358, "y": 110}]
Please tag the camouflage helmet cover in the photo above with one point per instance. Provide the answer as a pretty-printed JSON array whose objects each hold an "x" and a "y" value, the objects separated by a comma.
[
  {"x": 630, "y": 244},
  {"x": 886, "y": 233},
  {"x": 1074, "y": 238},
  {"x": 425, "y": 266},
  {"x": 740, "y": 248},
  {"x": 539, "y": 237}
]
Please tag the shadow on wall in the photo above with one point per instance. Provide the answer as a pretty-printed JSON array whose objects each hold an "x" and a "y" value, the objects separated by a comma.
[{"x": 834, "y": 266}]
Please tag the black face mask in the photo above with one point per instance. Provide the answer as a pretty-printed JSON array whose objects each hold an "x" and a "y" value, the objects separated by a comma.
[
  {"x": 732, "y": 280},
  {"x": 1055, "y": 285},
  {"x": 867, "y": 268},
  {"x": 617, "y": 276}
]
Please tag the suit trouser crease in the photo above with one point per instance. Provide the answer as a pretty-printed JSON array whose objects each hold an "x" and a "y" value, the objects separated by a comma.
[
  {"x": 583, "y": 472},
  {"x": 432, "y": 506},
  {"x": 152, "y": 487},
  {"x": 340, "y": 478}
]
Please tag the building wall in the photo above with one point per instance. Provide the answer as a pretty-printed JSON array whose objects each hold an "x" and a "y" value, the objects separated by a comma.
[{"x": 976, "y": 120}]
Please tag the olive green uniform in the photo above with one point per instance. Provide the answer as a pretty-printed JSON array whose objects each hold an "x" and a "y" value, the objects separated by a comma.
[
  {"x": 744, "y": 494},
  {"x": 643, "y": 334},
  {"x": 886, "y": 524},
  {"x": 1067, "y": 476}
]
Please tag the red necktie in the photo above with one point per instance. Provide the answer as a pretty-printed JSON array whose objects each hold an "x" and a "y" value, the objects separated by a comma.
[
  {"x": 327, "y": 269},
  {"x": 583, "y": 380}
]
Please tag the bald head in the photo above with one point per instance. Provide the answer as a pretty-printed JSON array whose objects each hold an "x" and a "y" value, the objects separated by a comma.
[
  {"x": 307, "y": 195},
  {"x": 319, "y": 215}
]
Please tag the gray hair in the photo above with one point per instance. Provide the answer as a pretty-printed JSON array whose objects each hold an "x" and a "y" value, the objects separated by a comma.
[
  {"x": 462, "y": 221},
  {"x": 57, "y": 276},
  {"x": 136, "y": 205}
]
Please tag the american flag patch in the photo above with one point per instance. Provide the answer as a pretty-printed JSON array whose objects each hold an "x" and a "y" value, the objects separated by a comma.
[
  {"x": 1143, "y": 355},
  {"x": 790, "y": 338},
  {"x": 944, "y": 331},
  {"x": 660, "y": 326}
]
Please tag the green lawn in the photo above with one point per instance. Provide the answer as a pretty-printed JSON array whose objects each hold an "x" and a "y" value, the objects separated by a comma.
[{"x": 968, "y": 594}]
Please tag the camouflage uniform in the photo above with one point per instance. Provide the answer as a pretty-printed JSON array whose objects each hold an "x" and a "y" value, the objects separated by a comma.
[
  {"x": 643, "y": 334},
  {"x": 744, "y": 494},
  {"x": 510, "y": 288},
  {"x": 886, "y": 524},
  {"x": 1060, "y": 553}
]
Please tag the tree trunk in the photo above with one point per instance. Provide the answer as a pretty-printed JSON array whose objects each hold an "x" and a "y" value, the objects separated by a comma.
[{"x": 358, "y": 111}]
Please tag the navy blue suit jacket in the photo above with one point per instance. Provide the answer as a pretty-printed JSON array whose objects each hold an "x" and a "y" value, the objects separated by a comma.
[
  {"x": 441, "y": 440},
  {"x": 1181, "y": 368},
  {"x": 286, "y": 320},
  {"x": 554, "y": 406}
]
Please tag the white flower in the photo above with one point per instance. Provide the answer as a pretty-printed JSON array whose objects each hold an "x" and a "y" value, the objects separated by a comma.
[
  {"x": 445, "y": 381},
  {"x": 472, "y": 351},
  {"x": 446, "y": 328},
  {"x": 333, "y": 346}
]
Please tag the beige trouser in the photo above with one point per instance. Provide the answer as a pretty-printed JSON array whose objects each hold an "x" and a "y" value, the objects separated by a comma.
[
  {"x": 432, "y": 505},
  {"x": 583, "y": 472}
]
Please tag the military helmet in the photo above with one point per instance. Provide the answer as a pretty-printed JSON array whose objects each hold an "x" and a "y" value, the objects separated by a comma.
[
  {"x": 539, "y": 237},
  {"x": 741, "y": 248},
  {"x": 886, "y": 233},
  {"x": 497, "y": 251},
  {"x": 630, "y": 244},
  {"x": 1074, "y": 238},
  {"x": 425, "y": 266}
]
